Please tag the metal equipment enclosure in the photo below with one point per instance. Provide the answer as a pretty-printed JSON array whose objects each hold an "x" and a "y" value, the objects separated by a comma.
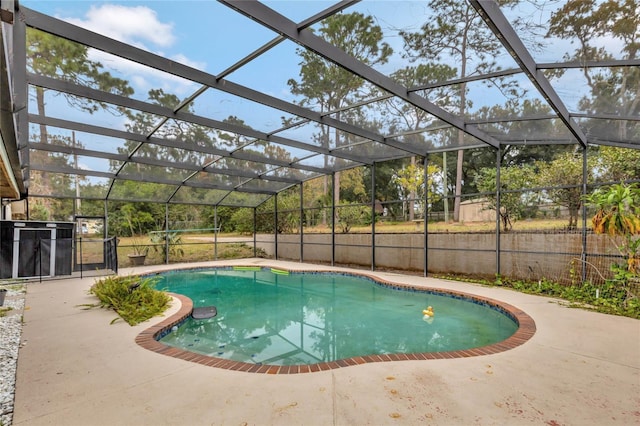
[{"x": 35, "y": 249}]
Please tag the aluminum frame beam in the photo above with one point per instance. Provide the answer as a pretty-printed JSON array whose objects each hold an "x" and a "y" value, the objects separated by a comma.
[
  {"x": 609, "y": 63},
  {"x": 256, "y": 53},
  {"x": 169, "y": 143},
  {"x": 607, "y": 116},
  {"x": 88, "y": 38},
  {"x": 490, "y": 12},
  {"x": 161, "y": 181},
  {"x": 615, "y": 143},
  {"x": 122, "y": 101},
  {"x": 13, "y": 185},
  {"x": 280, "y": 24},
  {"x": 69, "y": 150},
  {"x": 468, "y": 79},
  {"x": 18, "y": 87}
]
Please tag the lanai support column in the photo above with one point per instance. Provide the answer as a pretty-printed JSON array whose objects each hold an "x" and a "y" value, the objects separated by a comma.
[
  {"x": 301, "y": 222},
  {"x": 498, "y": 164},
  {"x": 255, "y": 235},
  {"x": 275, "y": 225},
  {"x": 166, "y": 233},
  {"x": 20, "y": 92},
  {"x": 74, "y": 210},
  {"x": 425, "y": 212},
  {"x": 105, "y": 230},
  {"x": 583, "y": 255},
  {"x": 215, "y": 234},
  {"x": 333, "y": 219},
  {"x": 373, "y": 216}
]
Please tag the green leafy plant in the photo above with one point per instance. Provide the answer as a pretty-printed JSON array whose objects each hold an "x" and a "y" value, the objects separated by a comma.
[
  {"x": 351, "y": 215},
  {"x": 134, "y": 222},
  {"x": 161, "y": 240},
  {"x": 608, "y": 298},
  {"x": 618, "y": 215},
  {"x": 139, "y": 248},
  {"x": 617, "y": 210},
  {"x": 134, "y": 298},
  {"x": 512, "y": 204}
]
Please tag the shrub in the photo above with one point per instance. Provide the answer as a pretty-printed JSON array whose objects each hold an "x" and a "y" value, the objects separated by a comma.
[
  {"x": 350, "y": 216},
  {"x": 134, "y": 298},
  {"x": 618, "y": 214},
  {"x": 608, "y": 298},
  {"x": 161, "y": 240}
]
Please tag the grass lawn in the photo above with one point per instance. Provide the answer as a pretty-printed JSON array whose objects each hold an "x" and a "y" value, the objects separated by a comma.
[
  {"x": 198, "y": 247},
  {"x": 194, "y": 248},
  {"x": 394, "y": 227}
]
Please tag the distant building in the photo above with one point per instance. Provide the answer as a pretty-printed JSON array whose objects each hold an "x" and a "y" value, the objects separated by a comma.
[{"x": 476, "y": 210}]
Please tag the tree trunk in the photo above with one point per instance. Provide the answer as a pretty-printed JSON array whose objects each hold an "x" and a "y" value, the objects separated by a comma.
[
  {"x": 325, "y": 186},
  {"x": 41, "y": 112},
  {"x": 463, "y": 107},
  {"x": 460, "y": 162},
  {"x": 458, "y": 194},
  {"x": 41, "y": 185}
]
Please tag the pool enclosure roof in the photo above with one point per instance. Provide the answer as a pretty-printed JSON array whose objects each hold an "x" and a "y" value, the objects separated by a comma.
[{"x": 218, "y": 108}]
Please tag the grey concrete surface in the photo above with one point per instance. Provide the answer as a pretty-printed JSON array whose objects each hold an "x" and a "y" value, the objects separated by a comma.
[{"x": 581, "y": 368}]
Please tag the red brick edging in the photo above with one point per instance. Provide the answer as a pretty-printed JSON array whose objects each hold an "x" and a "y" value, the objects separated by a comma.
[{"x": 147, "y": 339}]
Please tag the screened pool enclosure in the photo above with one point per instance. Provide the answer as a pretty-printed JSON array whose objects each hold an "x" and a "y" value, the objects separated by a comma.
[{"x": 430, "y": 136}]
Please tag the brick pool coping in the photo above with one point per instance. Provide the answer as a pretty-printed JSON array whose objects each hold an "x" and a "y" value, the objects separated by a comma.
[{"x": 526, "y": 329}]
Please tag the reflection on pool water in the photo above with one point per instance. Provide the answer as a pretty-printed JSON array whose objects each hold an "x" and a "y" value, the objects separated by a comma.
[{"x": 266, "y": 317}]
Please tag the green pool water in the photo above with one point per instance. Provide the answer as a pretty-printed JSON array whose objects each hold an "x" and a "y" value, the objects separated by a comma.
[{"x": 306, "y": 318}]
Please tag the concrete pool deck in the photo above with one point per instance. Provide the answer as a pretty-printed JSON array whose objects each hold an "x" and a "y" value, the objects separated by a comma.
[{"x": 75, "y": 368}]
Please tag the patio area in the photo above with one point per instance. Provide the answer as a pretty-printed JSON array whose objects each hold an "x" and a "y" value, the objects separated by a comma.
[{"x": 75, "y": 368}]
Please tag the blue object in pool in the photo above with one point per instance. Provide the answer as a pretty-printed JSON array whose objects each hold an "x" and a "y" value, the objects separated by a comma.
[{"x": 298, "y": 318}]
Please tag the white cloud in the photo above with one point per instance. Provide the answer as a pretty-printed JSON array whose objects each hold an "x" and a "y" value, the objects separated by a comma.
[
  {"x": 135, "y": 25},
  {"x": 186, "y": 61},
  {"x": 143, "y": 78},
  {"x": 138, "y": 26}
]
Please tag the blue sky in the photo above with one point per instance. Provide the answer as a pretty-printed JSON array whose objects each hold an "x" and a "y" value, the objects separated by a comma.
[{"x": 210, "y": 36}]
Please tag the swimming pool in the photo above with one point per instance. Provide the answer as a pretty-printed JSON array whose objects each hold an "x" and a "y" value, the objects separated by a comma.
[{"x": 307, "y": 321}]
